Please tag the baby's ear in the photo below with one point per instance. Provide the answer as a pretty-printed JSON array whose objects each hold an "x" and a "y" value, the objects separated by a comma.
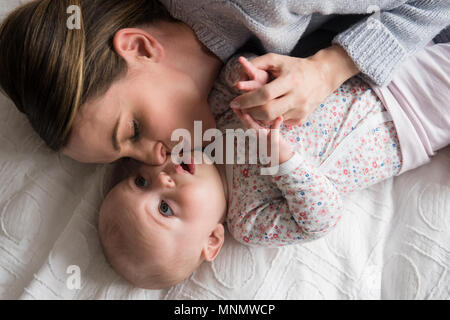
[{"x": 214, "y": 244}]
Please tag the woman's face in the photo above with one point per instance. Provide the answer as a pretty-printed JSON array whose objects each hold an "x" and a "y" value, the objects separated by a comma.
[
  {"x": 136, "y": 118},
  {"x": 164, "y": 89}
]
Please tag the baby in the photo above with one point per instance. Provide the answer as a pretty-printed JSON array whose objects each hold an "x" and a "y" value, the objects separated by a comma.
[{"x": 158, "y": 225}]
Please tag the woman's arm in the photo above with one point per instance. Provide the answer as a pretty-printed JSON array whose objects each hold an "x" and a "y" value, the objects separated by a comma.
[
  {"x": 374, "y": 46},
  {"x": 379, "y": 43}
]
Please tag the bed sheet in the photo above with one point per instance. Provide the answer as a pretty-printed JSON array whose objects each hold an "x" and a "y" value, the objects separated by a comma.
[{"x": 393, "y": 241}]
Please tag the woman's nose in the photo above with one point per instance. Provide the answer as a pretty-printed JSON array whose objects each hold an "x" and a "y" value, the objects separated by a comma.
[
  {"x": 165, "y": 180},
  {"x": 154, "y": 155}
]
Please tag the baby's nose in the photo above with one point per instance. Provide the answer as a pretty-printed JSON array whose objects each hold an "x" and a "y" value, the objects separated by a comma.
[{"x": 166, "y": 180}]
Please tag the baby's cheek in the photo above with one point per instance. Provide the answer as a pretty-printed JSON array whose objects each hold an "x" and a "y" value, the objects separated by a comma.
[
  {"x": 203, "y": 199},
  {"x": 192, "y": 198}
]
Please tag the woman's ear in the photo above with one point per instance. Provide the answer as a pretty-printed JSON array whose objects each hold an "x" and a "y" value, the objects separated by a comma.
[
  {"x": 214, "y": 244},
  {"x": 135, "y": 44}
]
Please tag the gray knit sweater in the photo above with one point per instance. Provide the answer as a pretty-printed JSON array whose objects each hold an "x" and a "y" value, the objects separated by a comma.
[{"x": 377, "y": 44}]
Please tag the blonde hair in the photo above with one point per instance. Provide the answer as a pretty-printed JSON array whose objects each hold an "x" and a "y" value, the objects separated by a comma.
[{"x": 49, "y": 70}]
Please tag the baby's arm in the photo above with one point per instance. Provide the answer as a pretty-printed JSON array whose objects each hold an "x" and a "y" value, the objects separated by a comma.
[{"x": 310, "y": 206}]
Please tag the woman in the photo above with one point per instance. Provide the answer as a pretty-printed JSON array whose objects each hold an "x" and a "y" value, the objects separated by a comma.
[{"x": 132, "y": 74}]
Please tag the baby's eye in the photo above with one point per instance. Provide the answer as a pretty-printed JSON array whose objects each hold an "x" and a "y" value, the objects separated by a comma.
[
  {"x": 141, "y": 182},
  {"x": 165, "y": 209}
]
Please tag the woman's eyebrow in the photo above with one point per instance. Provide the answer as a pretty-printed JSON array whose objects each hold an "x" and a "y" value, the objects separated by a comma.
[{"x": 115, "y": 140}]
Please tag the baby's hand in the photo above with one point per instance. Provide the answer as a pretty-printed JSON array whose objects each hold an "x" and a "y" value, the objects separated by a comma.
[
  {"x": 252, "y": 78},
  {"x": 284, "y": 148}
]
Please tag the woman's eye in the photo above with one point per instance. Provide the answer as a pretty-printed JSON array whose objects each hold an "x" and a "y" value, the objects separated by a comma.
[
  {"x": 136, "y": 131},
  {"x": 165, "y": 209},
  {"x": 141, "y": 182}
]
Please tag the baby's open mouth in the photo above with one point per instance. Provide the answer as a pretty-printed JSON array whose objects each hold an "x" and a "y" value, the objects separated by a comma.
[{"x": 187, "y": 168}]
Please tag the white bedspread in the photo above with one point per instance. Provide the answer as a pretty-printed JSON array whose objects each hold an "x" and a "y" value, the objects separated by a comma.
[{"x": 393, "y": 240}]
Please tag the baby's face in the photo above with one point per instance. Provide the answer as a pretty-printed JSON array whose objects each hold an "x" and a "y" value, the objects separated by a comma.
[{"x": 178, "y": 205}]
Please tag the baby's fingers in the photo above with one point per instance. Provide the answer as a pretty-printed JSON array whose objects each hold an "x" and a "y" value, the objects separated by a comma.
[
  {"x": 257, "y": 77},
  {"x": 249, "y": 68},
  {"x": 250, "y": 122},
  {"x": 276, "y": 123}
]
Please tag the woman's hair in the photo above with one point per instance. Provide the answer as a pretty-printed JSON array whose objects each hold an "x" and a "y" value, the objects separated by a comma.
[{"x": 49, "y": 70}]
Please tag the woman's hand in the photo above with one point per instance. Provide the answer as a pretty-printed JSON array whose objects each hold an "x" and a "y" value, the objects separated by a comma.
[
  {"x": 251, "y": 78},
  {"x": 299, "y": 85}
]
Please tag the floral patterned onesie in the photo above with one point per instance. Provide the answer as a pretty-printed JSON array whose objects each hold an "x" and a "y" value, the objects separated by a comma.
[{"x": 348, "y": 143}]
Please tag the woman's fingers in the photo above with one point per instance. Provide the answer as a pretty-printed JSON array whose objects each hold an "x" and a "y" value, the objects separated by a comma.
[
  {"x": 268, "y": 62},
  {"x": 248, "y": 85},
  {"x": 284, "y": 106},
  {"x": 272, "y": 109},
  {"x": 270, "y": 91},
  {"x": 300, "y": 85}
]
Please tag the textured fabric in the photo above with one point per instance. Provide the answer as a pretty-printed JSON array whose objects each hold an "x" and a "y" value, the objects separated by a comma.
[
  {"x": 287, "y": 167},
  {"x": 418, "y": 100},
  {"x": 347, "y": 144},
  {"x": 377, "y": 44}
]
